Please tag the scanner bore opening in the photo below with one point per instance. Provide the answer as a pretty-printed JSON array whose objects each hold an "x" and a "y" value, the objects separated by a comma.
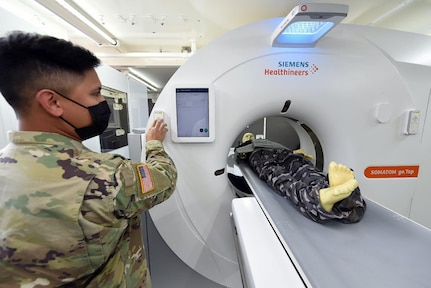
[{"x": 284, "y": 130}]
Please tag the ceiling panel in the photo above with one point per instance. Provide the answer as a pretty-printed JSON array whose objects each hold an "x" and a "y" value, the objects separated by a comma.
[{"x": 165, "y": 28}]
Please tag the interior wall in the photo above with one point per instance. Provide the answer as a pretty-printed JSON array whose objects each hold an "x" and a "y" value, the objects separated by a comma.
[
  {"x": 138, "y": 104},
  {"x": 7, "y": 121}
]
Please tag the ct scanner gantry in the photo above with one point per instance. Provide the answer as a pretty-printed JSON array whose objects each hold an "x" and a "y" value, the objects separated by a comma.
[{"x": 364, "y": 92}]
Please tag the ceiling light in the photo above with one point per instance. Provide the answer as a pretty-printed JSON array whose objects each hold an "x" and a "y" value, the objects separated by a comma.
[
  {"x": 145, "y": 55},
  {"x": 135, "y": 74},
  {"x": 78, "y": 18},
  {"x": 307, "y": 23}
]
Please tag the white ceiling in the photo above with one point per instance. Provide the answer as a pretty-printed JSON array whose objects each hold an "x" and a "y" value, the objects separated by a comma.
[{"x": 166, "y": 27}]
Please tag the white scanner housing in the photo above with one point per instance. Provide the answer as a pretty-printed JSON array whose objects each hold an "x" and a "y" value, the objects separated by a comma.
[{"x": 364, "y": 92}]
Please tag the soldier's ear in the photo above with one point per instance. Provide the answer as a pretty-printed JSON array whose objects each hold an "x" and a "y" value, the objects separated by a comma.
[{"x": 48, "y": 100}]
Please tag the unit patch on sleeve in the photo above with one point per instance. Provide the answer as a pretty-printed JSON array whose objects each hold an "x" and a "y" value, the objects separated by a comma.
[{"x": 145, "y": 178}]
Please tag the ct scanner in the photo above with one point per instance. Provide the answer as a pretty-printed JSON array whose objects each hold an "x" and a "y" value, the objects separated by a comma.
[{"x": 365, "y": 94}]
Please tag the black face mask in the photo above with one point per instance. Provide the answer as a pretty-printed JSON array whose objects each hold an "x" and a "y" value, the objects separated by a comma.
[{"x": 99, "y": 113}]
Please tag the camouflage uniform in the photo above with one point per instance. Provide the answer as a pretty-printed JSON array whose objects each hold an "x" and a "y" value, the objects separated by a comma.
[
  {"x": 295, "y": 177},
  {"x": 70, "y": 216}
]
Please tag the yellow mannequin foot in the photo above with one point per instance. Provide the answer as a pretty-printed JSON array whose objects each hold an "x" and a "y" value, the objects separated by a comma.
[
  {"x": 330, "y": 196},
  {"x": 339, "y": 174},
  {"x": 247, "y": 137}
]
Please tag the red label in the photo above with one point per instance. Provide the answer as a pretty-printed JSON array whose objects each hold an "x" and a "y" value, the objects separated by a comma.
[{"x": 391, "y": 171}]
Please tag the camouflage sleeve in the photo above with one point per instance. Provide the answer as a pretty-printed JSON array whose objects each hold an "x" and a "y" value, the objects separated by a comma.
[
  {"x": 162, "y": 168},
  {"x": 144, "y": 185}
]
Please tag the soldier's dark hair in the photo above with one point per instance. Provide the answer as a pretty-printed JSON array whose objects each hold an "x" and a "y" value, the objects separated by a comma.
[{"x": 30, "y": 62}]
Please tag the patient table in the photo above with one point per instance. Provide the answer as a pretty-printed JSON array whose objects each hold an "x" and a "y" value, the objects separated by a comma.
[{"x": 384, "y": 249}]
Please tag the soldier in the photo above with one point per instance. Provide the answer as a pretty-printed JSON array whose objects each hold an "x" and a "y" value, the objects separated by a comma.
[
  {"x": 293, "y": 176},
  {"x": 70, "y": 216}
]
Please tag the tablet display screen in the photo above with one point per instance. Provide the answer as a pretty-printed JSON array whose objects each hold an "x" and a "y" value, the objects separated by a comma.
[{"x": 192, "y": 108}]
